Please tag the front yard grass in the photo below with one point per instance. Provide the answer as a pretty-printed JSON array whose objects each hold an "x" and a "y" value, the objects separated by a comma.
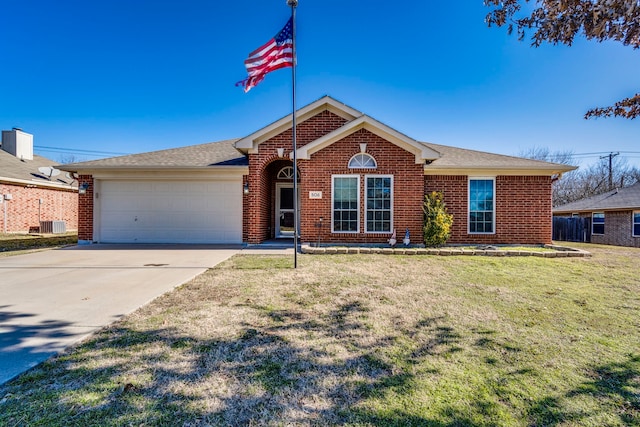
[
  {"x": 362, "y": 340},
  {"x": 12, "y": 244}
]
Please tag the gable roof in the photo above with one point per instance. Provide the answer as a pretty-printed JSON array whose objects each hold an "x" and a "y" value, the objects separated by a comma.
[
  {"x": 421, "y": 151},
  {"x": 356, "y": 120},
  {"x": 25, "y": 172},
  {"x": 622, "y": 198},
  {"x": 249, "y": 144},
  {"x": 218, "y": 154}
]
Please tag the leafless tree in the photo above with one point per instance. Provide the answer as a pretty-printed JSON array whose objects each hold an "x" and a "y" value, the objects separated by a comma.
[
  {"x": 595, "y": 179},
  {"x": 69, "y": 158}
]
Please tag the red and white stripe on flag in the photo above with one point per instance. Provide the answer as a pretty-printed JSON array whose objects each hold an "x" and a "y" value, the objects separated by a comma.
[{"x": 275, "y": 54}]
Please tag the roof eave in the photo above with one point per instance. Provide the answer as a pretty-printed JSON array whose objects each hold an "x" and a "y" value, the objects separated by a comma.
[
  {"x": 39, "y": 183},
  {"x": 597, "y": 209},
  {"x": 125, "y": 168},
  {"x": 491, "y": 170}
]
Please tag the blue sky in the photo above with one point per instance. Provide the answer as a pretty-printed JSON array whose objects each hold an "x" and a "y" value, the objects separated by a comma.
[{"x": 133, "y": 76}]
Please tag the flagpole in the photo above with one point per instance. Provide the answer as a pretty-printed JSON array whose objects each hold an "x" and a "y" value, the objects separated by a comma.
[{"x": 294, "y": 4}]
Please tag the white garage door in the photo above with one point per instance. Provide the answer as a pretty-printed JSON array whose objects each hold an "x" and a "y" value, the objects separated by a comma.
[{"x": 170, "y": 211}]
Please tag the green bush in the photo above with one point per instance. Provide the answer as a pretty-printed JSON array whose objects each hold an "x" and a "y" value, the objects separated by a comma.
[{"x": 437, "y": 222}]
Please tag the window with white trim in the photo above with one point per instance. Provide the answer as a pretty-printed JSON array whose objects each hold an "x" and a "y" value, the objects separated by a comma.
[
  {"x": 362, "y": 161},
  {"x": 597, "y": 223},
  {"x": 636, "y": 224},
  {"x": 379, "y": 203},
  {"x": 285, "y": 173},
  {"x": 345, "y": 197},
  {"x": 482, "y": 206}
]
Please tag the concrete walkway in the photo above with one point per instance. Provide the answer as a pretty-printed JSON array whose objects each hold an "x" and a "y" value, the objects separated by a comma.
[{"x": 52, "y": 299}]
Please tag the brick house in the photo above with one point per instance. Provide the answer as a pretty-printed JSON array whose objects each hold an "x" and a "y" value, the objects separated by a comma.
[
  {"x": 27, "y": 195},
  {"x": 359, "y": 180},
  {"x": 612, "y": 218}
]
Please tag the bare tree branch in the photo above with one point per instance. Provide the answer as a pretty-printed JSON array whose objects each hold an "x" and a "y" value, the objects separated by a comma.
[{"x": 560, "y": 21}]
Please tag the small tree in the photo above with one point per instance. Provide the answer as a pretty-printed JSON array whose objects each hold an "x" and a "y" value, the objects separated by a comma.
[{"x": 437, "y": 222}]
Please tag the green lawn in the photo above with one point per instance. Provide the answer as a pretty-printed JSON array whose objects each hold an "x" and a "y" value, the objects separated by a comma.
[
  {"x": 14, "y": 243},
  {"x": 362, "y": 340}
]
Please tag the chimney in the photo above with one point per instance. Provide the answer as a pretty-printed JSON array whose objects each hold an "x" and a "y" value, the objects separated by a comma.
[{"x": 18, "y": 143}]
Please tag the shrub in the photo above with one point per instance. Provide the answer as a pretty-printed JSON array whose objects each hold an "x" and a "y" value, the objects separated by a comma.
[{"x": 437, "y": 222}]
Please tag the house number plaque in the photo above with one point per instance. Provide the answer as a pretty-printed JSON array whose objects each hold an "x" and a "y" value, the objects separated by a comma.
[{"x": 315, "y": 194}]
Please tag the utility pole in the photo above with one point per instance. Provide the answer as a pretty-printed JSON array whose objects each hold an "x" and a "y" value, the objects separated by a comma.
[{"x": 610, "y": 156}]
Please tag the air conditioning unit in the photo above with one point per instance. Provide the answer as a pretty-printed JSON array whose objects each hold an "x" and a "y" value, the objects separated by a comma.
[{"x": 53, "y": 227}]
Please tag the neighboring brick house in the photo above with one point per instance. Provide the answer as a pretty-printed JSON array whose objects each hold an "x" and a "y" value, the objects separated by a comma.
[
  {"x": 29, "y": 196},
  {"x": 613, "y": 218},
  {"x": 359, "y": 180}
]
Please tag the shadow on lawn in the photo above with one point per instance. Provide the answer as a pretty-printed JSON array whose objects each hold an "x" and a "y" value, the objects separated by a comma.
[
  {"x": 261, "y": 378},
  {"x": 258, "y": 378},
  {"x": 615, "y": 385}
]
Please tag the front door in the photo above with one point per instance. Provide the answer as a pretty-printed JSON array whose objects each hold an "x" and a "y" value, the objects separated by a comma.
[{"x": 284, "y": 210}]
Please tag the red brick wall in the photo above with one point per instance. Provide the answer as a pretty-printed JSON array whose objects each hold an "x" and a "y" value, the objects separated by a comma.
[
  {"x": 85, "y": 209},
  {"x": 408, "y": 188},
  {"x": 523, "y": 209},
  {"x": 258, "y": 204},
  {"x": 24, "y": 210},
  {"x": 523, "y": 204},
  {"x": 618, "y": 230}
]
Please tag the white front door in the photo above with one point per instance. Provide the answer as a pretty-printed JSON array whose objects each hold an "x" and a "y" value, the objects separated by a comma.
[{"x": 284, "y": 210}]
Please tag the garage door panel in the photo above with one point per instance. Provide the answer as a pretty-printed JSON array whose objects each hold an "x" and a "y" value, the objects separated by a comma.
[{"x": 170, "y": 211}]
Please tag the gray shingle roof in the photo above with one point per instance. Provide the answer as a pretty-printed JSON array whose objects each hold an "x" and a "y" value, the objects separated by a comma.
[
  {"x": 220, "y": 153},
  {"x": 623, "y": 198},
  {"x": 461, "y": 158},
  {"x": 12, "y": 168},
  {"x": 223, "y": 153}
]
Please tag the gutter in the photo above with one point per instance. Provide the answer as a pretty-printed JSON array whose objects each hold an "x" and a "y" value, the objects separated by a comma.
[{"x": 40, "y": 183}]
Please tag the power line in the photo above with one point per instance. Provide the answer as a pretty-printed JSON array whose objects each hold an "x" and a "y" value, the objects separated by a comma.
[
  {"x": 76, "y": 150},
  {"x": 602, "y": 153}
]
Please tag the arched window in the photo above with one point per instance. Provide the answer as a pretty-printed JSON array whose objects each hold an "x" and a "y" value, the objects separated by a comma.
[
  {"x": 286, "y": 173},
  {"x": 362, "y": 161}
]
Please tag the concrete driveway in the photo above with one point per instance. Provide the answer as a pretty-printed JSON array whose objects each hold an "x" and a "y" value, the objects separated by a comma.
[{"x": 52, "y": 299}]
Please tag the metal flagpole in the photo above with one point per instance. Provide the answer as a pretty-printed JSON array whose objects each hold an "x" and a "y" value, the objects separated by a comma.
[{"x": 294, "y": 4}]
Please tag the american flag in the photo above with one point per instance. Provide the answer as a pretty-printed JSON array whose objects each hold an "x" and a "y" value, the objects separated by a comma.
[{"x": 275, "y": 54}]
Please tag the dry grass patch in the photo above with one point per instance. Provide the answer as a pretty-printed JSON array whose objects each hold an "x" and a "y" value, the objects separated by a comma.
[{"x": 361, "y": 340}]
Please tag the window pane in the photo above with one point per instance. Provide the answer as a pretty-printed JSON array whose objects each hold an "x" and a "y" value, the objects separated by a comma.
[
  {"x": 378, "y": 203},
  {"x": 286, "y": 198},
  {"x": 362, "y": 161},
  {"x": 481, "y": 210},
  {"x": 345, "y": 204},
  {"x": 597, "y": 223}
]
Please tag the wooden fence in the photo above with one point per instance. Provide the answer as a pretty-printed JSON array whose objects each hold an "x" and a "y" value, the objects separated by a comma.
[{"x": 572, "y": 229}]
